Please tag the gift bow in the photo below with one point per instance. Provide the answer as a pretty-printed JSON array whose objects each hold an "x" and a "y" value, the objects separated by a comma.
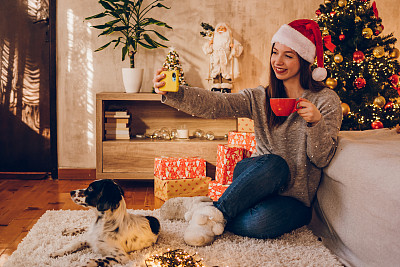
[{"x": 328, "y": 43}]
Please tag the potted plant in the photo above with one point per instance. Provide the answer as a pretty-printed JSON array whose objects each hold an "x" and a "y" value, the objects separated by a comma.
[{"x": 129, "y": 19}]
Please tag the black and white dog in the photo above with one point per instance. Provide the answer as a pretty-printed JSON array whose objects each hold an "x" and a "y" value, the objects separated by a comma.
[{"x": 114, "y": 233}]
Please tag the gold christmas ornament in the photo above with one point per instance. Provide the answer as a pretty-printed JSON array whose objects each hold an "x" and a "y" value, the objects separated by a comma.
[
  {"x": 338, "y": 58},
  {"x": 331, "y": 83},
  {"x": 342, "y": 3},
  {"x": 345, "y": 109},
  {"x": 325, "y": 33},
  {"x": 394, "y": 53},
  {"x": 357, "y": 19},
  {"x": 378, "y": 51},
  {"x": 379, "y": 101},
  {"x": 367, "y": 33}
]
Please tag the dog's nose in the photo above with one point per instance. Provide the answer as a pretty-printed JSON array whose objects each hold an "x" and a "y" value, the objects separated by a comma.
[{"x": 72, "y": 193}]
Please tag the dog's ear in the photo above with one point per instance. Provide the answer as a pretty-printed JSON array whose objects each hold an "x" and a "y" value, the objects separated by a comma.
[{"x": 110, "y": 197}]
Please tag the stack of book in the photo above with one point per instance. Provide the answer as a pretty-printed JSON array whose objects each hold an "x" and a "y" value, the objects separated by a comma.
[{"x": 116, "y": 125}]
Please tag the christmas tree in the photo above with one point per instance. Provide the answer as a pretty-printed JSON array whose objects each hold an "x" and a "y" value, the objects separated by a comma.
[
  {"x": 361, "y": 62},
  {"x": 172, "y": 63}
]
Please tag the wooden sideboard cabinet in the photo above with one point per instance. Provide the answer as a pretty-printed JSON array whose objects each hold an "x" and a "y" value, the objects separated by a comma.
[{"x": 134, "y": 158}]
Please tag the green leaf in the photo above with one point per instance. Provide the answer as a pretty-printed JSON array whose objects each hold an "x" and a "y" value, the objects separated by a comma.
[
  {"x": 161, "y": 5},
  {"x": 121, "y": 28},
  {"x": 104, "y": 46},
  {"x": 117, "y": 42},
  {"x": 106, "y": 5},
  {"x": 101, "y": 27},
  {"x": 145, "y": 45},
  {"x": 149, "y": 21},
  {"x": 152, "y": 42},
  {"x": 111, "y": 23},
  {"x": 125, "y": 50},
  {"x": 149, "y": 40},
  {"x": 100, "y": 15},
  {"x": 138, "y": 3},
  {"x": 106, "y": 32},
  {"x": 160, "y": 36}
]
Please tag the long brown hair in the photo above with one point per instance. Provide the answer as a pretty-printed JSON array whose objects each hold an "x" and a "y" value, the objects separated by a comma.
[{"x": 276, "y": 89}]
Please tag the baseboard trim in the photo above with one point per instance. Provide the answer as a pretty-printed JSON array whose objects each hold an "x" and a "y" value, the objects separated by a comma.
[
  {"x": 76, "y": 174},
  {"x": 24, "y": 175}
]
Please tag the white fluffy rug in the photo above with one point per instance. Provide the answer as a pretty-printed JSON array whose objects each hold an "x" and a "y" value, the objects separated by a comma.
[{"x": 299, "y": 248}]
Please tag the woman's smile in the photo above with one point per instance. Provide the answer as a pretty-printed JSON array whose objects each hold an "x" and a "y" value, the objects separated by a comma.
[{"x": 280, "y": 70}]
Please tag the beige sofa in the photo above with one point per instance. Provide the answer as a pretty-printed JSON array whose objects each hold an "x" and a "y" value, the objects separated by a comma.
[{"x": 357, "y": 210}]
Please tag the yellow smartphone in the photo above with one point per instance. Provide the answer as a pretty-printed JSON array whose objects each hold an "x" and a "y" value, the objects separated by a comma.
[{"x": 171, "y": 81}]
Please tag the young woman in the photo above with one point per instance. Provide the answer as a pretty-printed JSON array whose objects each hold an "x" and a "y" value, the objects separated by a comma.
[{"x": 272, "y": 191}]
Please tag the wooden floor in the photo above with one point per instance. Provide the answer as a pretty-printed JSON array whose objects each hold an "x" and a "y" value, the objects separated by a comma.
[{"x": 22, "y": 202}]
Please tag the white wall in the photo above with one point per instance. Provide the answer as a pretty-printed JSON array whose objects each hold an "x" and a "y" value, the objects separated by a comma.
[{"x": 81, "y": 73}]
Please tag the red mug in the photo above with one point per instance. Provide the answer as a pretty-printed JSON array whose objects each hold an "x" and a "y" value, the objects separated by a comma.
[{"x": 284, "y": 106}]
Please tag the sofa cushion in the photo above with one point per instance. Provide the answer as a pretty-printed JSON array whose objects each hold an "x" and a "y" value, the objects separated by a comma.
[{"x": 358, "y": 202}]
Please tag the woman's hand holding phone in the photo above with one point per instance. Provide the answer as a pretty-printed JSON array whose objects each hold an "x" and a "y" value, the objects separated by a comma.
[{"x": 157, "y": 81}]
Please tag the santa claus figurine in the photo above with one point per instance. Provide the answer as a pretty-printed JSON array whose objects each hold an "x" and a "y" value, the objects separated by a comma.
[{"x": 223, "y": 51}]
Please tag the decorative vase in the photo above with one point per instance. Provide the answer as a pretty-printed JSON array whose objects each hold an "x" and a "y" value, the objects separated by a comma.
[{"x": 132, "y": 78}]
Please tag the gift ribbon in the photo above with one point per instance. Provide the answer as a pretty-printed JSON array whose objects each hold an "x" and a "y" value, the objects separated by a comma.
[
  {"x": 328, "y": 43},
  {"x": 375, "y": 10}
]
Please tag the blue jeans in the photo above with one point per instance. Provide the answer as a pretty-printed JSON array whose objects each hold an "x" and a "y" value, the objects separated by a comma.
[{"x": 251, "y": 204}]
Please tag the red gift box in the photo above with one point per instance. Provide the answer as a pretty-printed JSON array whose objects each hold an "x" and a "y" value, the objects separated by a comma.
[
  {"x": 170, "y": 168},
  {"x": 245, "y": 125},
  {"x": 245, "y": 140},
  {"x": 227, "y": 157},
  {"x": 215, "y": 190}
]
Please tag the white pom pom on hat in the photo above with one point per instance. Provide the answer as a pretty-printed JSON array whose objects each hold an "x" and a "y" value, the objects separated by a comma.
[
  {"x": 319, "y": 74},
  {"x": 304, "y": 37}
]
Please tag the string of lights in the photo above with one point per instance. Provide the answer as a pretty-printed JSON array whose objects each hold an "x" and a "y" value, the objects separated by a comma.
[{"x": 174, "y": 258}]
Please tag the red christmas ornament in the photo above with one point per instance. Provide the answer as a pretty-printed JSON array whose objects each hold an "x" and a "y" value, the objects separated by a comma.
[
  {"x": 358, "y": 56},
  {"x": 394, "y": 79},
  {"x": 360, "y": 83},
  {"x": 377, "y": 33},
  {"x": 342, "y": 37},
  {"x": 318, "y": 12},
  {"x": 389, "y": 105},
  {"x": 377, "y": 125}
]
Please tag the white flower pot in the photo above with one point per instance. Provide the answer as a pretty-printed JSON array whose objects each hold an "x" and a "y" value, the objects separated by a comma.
[{"x": 132, "y": 78}]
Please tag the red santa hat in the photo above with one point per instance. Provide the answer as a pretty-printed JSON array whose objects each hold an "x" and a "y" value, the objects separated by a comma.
[{"x": 304, "y": 37}]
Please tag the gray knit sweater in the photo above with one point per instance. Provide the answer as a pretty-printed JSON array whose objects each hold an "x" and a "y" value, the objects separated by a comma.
[{"x": 306, "y": 149}]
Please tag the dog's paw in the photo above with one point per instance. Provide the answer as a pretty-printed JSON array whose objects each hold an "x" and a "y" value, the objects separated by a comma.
[
  {"x": 57, "y": 254},
  {"x": 108, "y": 261},
  {"x": 92, "y": 263}
]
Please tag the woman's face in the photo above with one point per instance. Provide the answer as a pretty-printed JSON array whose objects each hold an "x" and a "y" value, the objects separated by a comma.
[{"x": 285, "y": 62}]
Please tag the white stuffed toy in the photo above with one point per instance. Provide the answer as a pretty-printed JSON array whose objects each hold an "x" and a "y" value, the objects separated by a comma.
[
  {"x": 204, "y": 224},
  {"x": 176, "y": 208}
]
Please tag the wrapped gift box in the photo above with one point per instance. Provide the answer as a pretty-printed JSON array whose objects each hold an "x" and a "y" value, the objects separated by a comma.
[
  {"x": 168, "y": 168},
  {"x": 215, "y": 190},
  {"x": 227, "y": 157},
  {"x": 245, "y": 140},
  {"x": 245, "y": 125},
  {"x": 166, "y": 189}
]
